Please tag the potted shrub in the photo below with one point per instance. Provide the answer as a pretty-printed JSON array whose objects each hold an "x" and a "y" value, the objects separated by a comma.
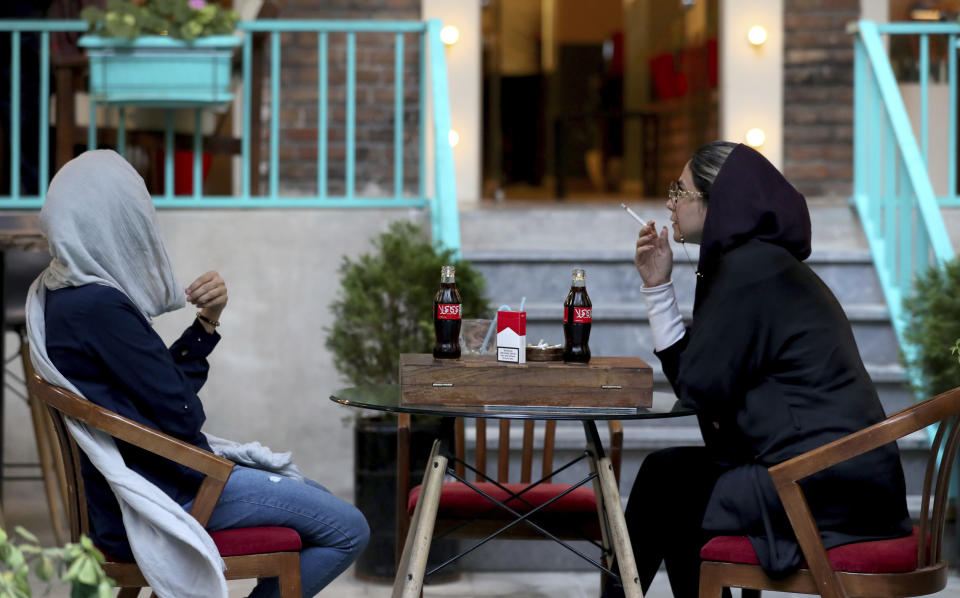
[
  {"x": 75, "y": 564},
  {"x": 932, "y": 314},
  {"x": 385, "y": 308},
  {"x": 160, "y": 52}
]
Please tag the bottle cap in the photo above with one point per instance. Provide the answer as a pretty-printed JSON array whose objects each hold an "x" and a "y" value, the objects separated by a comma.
[
  {"x": 447, "y": 271},
  {"x": 579, "y": 274}
]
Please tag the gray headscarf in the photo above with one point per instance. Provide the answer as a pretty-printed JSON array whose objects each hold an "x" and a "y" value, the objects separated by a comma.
[{"x": 102, "y": 229}]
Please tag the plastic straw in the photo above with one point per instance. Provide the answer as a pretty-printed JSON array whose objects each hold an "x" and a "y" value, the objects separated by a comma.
[{"x": 493, "y": 325}]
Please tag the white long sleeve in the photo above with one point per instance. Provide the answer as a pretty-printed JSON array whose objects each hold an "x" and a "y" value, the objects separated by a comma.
[{"x": 666, "y": 324}]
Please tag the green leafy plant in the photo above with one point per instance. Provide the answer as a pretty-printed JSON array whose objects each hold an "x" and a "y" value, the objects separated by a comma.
[
  {"x": 76, "y": 564},
  {"x": 932, "y": 314},
  {"x": 181, "y": 19},
  {"x": 385, "y": 305}
]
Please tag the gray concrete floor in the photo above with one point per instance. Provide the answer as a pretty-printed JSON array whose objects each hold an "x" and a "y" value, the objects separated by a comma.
[{"x": 24, "y": 504}]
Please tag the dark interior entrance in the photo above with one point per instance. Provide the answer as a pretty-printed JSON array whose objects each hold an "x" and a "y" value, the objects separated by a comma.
[{"x": 595, "y": 99}]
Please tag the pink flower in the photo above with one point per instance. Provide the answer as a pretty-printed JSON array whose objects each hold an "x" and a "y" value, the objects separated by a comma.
[{"x": 197, "y": 4}]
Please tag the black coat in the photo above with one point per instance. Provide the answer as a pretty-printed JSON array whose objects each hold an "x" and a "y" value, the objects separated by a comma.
[
  {"x": 771, "y": 367},
  {"x": 102, "y": 343}
]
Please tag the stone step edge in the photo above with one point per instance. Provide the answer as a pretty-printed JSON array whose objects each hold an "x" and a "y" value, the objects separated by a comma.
[
  {"x": 539, "y": 311},
  {"x": 569, "y": 256},
  {"x": 880, "y": 373},
  {"x": 636, "y": 438}
]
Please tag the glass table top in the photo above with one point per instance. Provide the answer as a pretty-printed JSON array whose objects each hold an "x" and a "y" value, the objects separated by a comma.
[{"x": 387, "y": 398}]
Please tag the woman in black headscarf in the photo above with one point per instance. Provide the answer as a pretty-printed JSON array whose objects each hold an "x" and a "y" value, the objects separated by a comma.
[{"x": 770, "y": 367}]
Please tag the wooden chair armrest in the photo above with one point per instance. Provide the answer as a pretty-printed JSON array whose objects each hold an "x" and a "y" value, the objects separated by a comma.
[
  {"x": 908, "y": 420},
  {"x": 808, "y": 537},
  {"x": 786, "y": 476},
  {"x": 216, "y": 469}
]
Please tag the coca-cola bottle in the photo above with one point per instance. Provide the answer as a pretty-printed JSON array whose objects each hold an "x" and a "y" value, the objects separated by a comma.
[
  {"x": 577, "y": 317},
  {"x": 446, "y": 316}
]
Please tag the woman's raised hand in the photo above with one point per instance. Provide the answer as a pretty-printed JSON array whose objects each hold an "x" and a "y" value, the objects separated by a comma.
[
  {"x": 209, "y": 293},
  {"x": 653, "y": 257}
]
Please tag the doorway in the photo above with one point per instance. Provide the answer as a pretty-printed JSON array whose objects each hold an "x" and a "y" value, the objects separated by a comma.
[{"x": 595, "y": 100}]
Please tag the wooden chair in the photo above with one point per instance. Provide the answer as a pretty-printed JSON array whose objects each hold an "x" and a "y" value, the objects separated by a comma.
[
  {"x": 21, "y": 267},
  {"x": 52, "y": 469},
  {"x": 463, "y": 513},
  {"x": 248, "y": 552},
  {"x": 911, "y": 566}
]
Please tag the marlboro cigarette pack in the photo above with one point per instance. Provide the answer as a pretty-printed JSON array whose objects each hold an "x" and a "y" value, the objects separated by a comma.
[{"x": 512, "y": 336}]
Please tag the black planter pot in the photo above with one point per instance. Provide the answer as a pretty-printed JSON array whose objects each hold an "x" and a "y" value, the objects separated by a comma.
[{"x": 375, "y": 490}]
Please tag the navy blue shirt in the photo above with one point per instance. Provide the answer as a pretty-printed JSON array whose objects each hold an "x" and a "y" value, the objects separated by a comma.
[{"x": 103, "y": 344}]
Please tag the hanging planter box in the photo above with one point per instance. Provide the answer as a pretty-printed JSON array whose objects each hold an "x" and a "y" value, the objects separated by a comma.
[{"x": 159, "y": 70}]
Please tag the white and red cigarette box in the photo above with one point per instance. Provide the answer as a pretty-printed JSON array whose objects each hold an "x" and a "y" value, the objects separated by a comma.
[{"x": 512, "y": 336}]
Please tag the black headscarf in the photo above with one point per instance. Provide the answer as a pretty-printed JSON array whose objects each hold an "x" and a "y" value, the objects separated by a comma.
[{"x": 750, "y": 200}]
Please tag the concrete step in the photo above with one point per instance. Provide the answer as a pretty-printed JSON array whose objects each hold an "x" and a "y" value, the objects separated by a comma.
[
  {"x": 529, "y": 250},
  {"x": 602, "y": 225},
  {"x": 544, "y": 276},
  {"x": 642, "y": 437},
  {"x": 623, "y": 329},
  {"x": 620, "y": 316}
]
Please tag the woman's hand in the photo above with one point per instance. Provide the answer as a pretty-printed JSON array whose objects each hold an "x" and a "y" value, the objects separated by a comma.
[
  {"x": 653, "y": 257},
  {"x": 209, "y": 293}
]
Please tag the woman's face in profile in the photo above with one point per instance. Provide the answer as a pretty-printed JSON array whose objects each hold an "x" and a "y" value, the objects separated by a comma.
[{"x": 688, "y": 210}]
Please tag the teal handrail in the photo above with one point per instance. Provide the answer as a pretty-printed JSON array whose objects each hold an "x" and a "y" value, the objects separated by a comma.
[
  {"x": 892, "y": 190},
  {"x": 443, "y": 203}
]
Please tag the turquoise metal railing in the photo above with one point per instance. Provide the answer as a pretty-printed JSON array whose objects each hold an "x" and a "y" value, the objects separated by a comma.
[
  {"x": 892, "y": 190},
  {"x": 442, "y": 204}
]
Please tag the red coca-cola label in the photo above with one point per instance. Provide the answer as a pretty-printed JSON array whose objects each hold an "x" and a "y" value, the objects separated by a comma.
[
  {"x": 448, "y": 311},
  {"x": 582, "y": 315}
]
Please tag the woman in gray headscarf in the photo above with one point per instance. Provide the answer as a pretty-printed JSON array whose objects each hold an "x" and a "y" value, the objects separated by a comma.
[{"x": 89, "y": 326}]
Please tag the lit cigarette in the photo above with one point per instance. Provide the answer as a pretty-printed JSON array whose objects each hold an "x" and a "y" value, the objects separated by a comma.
[{"x": 634, "y": 214}]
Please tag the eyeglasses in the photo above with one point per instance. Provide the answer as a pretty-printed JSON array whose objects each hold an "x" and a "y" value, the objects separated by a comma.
[{"x": 675, "y": 192}]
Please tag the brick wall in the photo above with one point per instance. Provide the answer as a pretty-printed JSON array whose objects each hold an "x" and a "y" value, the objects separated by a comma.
[
  {"x": 374, "y": 154},
  {"x": 818, "y": 95}
]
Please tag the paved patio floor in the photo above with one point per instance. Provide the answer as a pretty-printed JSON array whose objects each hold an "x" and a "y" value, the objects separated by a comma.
[{"x": 24, "y": 505}]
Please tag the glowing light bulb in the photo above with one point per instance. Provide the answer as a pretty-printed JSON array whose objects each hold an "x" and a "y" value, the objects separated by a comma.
[
  {"x": 757, "y": 35},
  {"x": 453, "y": 137},
  {"x": 450, "y": 35},
  {"x": 755, "y": 137}
]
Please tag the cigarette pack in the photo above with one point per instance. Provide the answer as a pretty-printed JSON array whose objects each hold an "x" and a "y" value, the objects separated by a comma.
[{"x": 512, "y": 336}]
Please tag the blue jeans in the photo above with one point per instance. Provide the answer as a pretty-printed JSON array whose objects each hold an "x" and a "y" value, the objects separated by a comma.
[{"x": 333, "y": 531}]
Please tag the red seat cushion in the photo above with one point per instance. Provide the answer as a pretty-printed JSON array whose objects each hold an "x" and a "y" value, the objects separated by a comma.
[
  {"x": 459, "y": 500},
  {"x": 250, "y": 540},
  {"x": 256, "y": 540},
  {"x": 897, "y": 555}
]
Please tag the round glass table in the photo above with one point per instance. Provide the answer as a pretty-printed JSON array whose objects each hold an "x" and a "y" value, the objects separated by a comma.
[
  {"x": 387, "y": 398},
  {"x": 616, "y": 540}
]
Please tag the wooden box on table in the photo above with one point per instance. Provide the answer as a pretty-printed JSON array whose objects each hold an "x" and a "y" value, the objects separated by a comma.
[{"x": 616, "y": 382}]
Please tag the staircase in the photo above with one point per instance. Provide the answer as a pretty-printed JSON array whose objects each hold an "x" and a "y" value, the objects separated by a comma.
[{"x": 530, "y": 251}]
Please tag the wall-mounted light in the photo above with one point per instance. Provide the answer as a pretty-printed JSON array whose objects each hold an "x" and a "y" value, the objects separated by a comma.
[
  {"x": 755, "y": 137},
  {"x": 449, "y": 35},
  {"x": 453, "y": 137},
  {"x": 757, "y": 35}
]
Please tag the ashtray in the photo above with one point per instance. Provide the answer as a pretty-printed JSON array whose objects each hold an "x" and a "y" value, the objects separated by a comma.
[{"x": 543, "y": 352}]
